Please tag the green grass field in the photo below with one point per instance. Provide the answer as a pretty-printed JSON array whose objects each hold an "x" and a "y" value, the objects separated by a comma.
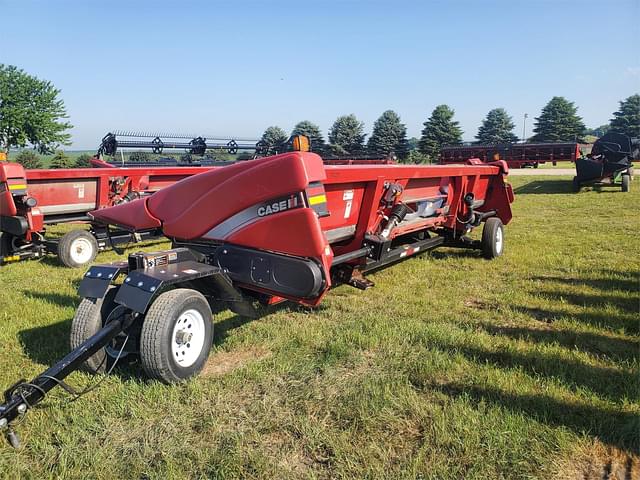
[{"x": 451, "y": 367}]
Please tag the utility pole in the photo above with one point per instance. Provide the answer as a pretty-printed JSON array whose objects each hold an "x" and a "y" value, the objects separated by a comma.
[{"x": 524, "y": 123}]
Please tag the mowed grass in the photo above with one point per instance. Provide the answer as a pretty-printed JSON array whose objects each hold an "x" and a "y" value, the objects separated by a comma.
[{"x": 451, "y": 367}]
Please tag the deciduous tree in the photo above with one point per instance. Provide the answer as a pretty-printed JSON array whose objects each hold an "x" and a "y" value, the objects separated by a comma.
[{"x": 30, "y": 112}]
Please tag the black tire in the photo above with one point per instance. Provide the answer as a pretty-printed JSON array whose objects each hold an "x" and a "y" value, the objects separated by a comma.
[
  {"x": 576, "y": 184},
  {"x": 536, "y": 165},
  {"x": 626, "y": 178},
  {"x": 5, "y": 244},
  {"x": 77, "y": 248},
  {"x": 492, "y": 238},
  {"x": 159, "y": 341},
  {"x": 89, "y": 318}
]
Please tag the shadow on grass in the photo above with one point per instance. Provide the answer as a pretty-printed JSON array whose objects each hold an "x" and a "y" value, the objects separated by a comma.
[
  {"x": 448, "y": 252},
  {"x": 614, "y": 348},
  {"x": 625, "y": 304},
  {"x": 48, "y": 344},
  {"x": 59, "y": 299},
  {"x": 613, "y": 427},
  {"x": 625, "y": 322},
  {"x": 551, "y": 186},
  {"x": 613, "y": 384},
  {"x": 605, "y": 282},
  {"x": 629, "y": 282}
]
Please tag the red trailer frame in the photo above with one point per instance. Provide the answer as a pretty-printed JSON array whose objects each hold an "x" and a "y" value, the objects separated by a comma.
[{"x": 517, "y": 155}]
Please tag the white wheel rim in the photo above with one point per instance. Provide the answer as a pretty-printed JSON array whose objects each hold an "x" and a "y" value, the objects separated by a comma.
[
  {"x": 499, "y": 241},
  {"x": 187, "y": 338},
  {"x": 81, "y": 250}
]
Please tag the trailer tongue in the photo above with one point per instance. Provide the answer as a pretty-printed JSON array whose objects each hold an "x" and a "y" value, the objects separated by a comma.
[{"x": 285, "y": 227}]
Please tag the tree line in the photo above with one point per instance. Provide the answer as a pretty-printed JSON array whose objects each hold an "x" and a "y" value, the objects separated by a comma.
[
  {"x": 31, "y": 113},
  {"x": 558, "y": 122}
]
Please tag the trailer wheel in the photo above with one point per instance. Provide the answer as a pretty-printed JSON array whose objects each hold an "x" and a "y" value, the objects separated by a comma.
[
  {"x": 90, "y": 317},
  {"x": 492, "y": 238},
  {"x": 177, "y": 334},
  {"x": 576, "y": 184},
  {"x": 77, "y": 248},
  {"x": 625, "y": 182}
]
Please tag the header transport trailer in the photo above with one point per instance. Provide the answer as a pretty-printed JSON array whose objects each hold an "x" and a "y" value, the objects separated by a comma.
[
  {"x": 517, "y": 155},
  {"x": 284, "y": 227}
]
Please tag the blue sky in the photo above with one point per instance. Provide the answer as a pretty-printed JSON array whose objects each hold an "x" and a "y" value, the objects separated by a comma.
[{"x": 234, "y": 68}]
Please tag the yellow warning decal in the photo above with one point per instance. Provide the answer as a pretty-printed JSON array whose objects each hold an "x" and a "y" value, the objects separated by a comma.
[
  {"x": 20, "y": 186},
  {"x": 318, "y": 199}
]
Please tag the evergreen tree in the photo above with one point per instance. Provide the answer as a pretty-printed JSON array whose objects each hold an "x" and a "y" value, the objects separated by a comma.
[
  {"x": 558, "y": 122},
  {"x": 627, "y": 119},
  {"x": 28, "y": 159},
  {"x": 61, "y": 160},
  {"x": 83, "y": 161},
  {"x": 347, "y": 135},
  {"x": 389, "y": 135},
  {"x": 274, "y": 137},
  {"x": 496, "y": 128},
  {"x": 439, "y": 130},
  {"x": 312, "y": 131}
]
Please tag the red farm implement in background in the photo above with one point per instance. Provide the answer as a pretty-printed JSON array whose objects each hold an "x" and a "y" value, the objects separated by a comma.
[
  {"x": 31, "y": 200},
  {"x": 517, "y": 155},
  {"x": 283, "y": 227}
]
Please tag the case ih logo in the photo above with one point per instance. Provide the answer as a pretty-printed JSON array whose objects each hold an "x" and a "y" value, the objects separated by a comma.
[{"x": 278, "y": 206}]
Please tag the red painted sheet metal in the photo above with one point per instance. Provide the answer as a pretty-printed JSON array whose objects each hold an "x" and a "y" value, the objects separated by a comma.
[
  {"x": 84, "y": 189},
  {"x": 127, "y": 215},
  {"x": 217, "y": 195},
  {"x": 283, "y": 233}
]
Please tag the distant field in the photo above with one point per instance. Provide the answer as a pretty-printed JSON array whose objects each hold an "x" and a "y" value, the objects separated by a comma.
[{"x": 452, "y": 367}]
